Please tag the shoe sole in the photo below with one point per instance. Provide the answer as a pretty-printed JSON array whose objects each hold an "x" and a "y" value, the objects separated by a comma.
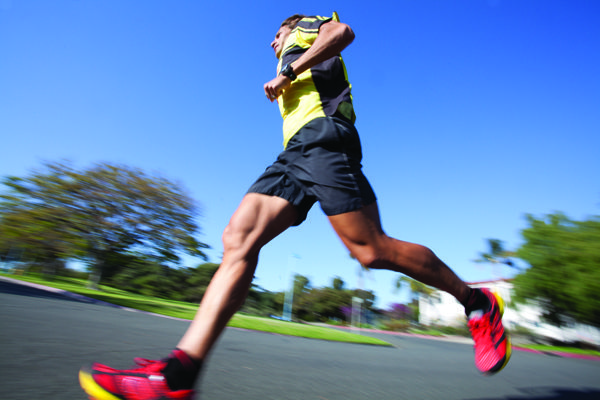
[
  {"x": 95, "y": 391},
  {"x": 506, "y": 338}
]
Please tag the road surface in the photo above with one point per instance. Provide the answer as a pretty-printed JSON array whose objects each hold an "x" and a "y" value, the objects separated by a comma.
[{"x": 46, "y": 337}]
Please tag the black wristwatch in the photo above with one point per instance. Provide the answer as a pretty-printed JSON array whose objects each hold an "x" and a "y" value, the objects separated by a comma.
[{"x": 288, "y": 71}]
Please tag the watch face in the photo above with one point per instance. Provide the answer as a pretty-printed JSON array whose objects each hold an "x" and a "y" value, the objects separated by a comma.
[{"x": 288, "y": 71}]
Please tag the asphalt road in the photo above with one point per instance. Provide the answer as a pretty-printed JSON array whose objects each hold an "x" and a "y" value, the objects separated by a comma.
[{"x": 45, "y": 338}]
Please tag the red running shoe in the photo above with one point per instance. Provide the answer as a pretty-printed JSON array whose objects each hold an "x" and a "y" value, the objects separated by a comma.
[
  {"x": 143, "y": 382},
  {"x": 492, "y": 344}
]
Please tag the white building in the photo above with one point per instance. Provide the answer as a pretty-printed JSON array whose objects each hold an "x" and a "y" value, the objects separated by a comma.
[{"x": 441, "y": 308}]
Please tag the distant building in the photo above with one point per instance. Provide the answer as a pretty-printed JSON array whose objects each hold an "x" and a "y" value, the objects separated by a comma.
[{"x": 441, "y": 308}]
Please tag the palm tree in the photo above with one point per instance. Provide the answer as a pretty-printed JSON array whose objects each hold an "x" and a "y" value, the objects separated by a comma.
[
  {"x": 417, "y": 290},
  {"x": 497, "y": 255}
]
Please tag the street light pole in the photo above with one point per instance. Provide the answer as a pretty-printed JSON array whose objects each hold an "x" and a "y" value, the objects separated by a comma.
[
  {"x": 289, "y": 294},
  {"x": 356, "y": 312}
]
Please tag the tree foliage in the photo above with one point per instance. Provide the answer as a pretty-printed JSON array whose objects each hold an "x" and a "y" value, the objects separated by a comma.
[
  {"x": 146, "y": 276},
  {"x": 564, "y": 273},
  {"x": 100, "y": 214},
  {"x": 326, "y": 303}
]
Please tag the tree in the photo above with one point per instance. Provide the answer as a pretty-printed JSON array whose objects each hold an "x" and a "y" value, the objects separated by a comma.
[
  {"x": 301, "y": 285},
  {"x": 497, "y": 254},
  {"x": 326, "y": 303},
  {"x": 144, "y": 275},
  {"x": 564, "y": 273},
  {"x": 198, "y": 281},
  {"x": 367, "y": 296},
  {"x": 97, "y": 214},
  {"x": 323, "y": 304},
  {"x": 416, "y": 288},
  {"x": 338, "y": 283},
  {"x": 301, "y": 303},
  {"x": 261, "y": 302}
]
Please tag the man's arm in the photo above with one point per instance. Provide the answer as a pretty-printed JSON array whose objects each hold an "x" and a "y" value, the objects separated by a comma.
[{"x": 333, "y": 37}]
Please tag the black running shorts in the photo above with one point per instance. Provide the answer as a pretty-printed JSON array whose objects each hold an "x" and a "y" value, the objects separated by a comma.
[{"x": 320, "y": 163}]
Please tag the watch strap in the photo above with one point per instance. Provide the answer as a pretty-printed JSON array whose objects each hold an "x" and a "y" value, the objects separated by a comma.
[{"x": 288, "y": 71}]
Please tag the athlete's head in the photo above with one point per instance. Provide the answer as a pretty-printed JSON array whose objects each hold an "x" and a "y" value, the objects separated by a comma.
[
  {"x": 284, "y": 31},
  {"x": 291, "y": 22}
]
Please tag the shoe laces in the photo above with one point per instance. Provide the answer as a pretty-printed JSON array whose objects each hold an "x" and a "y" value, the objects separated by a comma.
[
  {"x": 142, "y": 362},
  {"x": 145, "y": 364}
]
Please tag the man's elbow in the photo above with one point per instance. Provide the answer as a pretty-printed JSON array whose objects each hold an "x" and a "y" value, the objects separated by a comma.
[{"x": 347, "y": 33}]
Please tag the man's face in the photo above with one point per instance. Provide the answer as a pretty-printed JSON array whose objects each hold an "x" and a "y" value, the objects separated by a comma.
[{"x": 280, "y": 38}]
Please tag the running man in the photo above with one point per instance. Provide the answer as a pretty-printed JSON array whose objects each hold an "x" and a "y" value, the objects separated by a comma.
[{"x": 321, "y": 161}]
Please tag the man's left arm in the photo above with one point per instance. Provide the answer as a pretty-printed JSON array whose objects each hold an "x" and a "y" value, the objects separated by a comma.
[{"x": 333, "y": 37}]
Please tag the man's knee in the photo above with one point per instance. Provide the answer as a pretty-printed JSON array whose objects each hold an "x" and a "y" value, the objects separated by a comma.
[
  {"x": 235, "y": 236},
  {"x": 242, "y": 237},
  {"x": 370, "y": 256},
  {"x": 369, "y": 259}
]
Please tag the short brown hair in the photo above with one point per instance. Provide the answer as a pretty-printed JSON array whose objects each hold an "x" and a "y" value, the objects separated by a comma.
[{"x": 291, "y": 22}]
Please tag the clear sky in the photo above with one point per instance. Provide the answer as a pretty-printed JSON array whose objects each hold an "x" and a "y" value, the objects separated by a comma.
[{"x": 472, "y": 113}]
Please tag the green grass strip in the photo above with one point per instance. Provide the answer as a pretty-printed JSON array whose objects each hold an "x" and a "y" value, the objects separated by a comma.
[
  {"x": 184, "y": 310},
  {"x": 301, "y": 330},
  {"x": 560, "y": 349}
]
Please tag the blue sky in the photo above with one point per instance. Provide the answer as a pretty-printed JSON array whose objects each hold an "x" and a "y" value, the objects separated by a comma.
[{"x": 471, "y": 113}]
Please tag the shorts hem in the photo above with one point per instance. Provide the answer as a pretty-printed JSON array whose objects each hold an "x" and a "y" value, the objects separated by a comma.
[{"x": 354, "y": 206}]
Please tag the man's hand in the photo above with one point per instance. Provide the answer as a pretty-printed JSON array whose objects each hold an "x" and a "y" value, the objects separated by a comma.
[{"x": 275, "y": 87}]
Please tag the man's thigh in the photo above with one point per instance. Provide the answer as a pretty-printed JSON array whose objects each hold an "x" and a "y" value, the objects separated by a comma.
[
  {"x": 259, "y": 218},
  {"x": 359, "y": 228}
]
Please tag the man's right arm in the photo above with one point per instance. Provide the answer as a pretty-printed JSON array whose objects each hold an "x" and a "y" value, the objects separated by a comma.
[{"x": 333, "y": 37}]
